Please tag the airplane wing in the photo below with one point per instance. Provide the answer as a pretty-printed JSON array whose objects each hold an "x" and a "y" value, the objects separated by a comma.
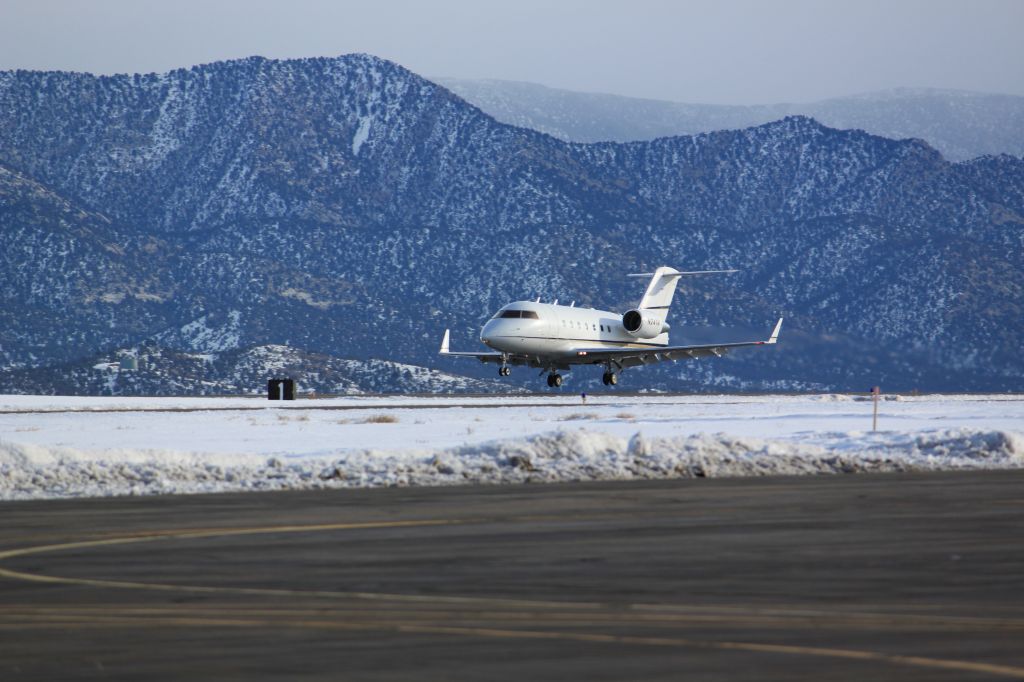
[{"x": 632, "y": 357}]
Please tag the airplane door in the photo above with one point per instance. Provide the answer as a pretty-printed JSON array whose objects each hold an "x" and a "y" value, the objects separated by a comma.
[{"x": 553, "y": 325}]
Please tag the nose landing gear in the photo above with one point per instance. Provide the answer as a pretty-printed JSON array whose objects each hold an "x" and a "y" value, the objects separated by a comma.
[{"x": 504, "y": 371}]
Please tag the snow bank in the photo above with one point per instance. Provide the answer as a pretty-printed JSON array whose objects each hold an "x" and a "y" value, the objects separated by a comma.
[{"x": 36, "y": 471}]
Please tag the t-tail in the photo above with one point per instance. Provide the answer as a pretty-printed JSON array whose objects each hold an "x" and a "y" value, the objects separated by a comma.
[{"x": 652, "y": 312}]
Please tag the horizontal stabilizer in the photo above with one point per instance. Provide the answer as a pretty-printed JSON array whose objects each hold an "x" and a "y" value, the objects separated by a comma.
[{"x": 680, "y": 274}]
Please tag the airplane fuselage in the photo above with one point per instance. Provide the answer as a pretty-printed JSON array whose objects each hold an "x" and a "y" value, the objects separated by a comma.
[{"x": 559, "y": 331}]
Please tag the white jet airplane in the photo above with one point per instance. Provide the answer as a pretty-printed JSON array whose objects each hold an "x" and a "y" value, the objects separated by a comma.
[{"x": 554, "y": 337}]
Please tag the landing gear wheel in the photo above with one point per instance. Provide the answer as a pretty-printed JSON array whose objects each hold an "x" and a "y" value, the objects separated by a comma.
[
  {"x": 556, "y": 380},
  {"x": 551, "y": 381},
  {"x": 613, "y": 378},
  {"x": 605, "y": 378},
  {"x": 504, "y": 371}
]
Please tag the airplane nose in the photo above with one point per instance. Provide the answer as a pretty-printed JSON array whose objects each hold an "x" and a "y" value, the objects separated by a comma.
[{"x": 487, "y": 332}]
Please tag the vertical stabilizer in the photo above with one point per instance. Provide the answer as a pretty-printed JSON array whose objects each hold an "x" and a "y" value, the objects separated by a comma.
[
  {"x": 658, "y": 296},
  {"x": 662, "y": 288}
]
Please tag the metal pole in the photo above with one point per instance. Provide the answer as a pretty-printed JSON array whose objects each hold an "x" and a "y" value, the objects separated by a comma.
[{"x": 875, "y": 390}]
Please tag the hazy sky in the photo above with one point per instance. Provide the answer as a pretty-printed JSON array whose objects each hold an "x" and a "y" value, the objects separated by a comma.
[{"x": 716, "y": 51}]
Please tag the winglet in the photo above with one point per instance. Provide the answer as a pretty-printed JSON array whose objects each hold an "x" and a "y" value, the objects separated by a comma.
[
  {"x": 775, "y": 333},
  {"x": 444, "y": 342}
]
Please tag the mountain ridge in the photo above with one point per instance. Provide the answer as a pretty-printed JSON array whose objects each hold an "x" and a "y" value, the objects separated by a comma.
[{"x": 962, "y": 124}]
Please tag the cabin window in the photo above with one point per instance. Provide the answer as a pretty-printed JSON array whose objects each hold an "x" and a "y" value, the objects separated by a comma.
[
  {"x": 602, "y": 327},
  {"x": 511, "y": 313},
  {"x": 530, "y": 315}
]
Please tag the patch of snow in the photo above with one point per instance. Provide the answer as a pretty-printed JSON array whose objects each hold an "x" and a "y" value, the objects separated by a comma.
[
  {"x": 205, "y": 336},
  {"x": 362, "y": 134},
  {"x": 31, "y": 472},
  {"x": 66, "y": 446}
]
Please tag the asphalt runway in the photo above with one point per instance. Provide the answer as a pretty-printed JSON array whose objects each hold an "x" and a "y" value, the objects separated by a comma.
[{"x": 861, "y": 577}]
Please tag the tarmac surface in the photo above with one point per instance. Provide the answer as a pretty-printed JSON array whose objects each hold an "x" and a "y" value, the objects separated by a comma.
[{"x": 861, "y": 577}]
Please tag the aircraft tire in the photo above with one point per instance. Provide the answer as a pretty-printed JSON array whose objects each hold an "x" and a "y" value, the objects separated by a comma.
[{"x": 556, "y": 380}]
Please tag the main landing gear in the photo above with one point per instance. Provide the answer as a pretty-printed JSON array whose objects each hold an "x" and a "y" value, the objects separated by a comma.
[
  {"x": 610, "y": 378},
  {"x": 554, "y": 380}
]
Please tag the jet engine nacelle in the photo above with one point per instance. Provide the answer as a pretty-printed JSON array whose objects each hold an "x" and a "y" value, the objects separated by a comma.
[{"x": 642, "y": 326}]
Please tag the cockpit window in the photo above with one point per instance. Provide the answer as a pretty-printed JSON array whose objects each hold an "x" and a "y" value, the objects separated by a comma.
[{"x": 528, "y": 314}]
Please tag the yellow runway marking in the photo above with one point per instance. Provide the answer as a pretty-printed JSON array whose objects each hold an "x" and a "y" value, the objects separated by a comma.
[
  {"x": 575, "y": 614},
  {"x": 267, "y": 530},
  {"x": 503, "y": 633},
  {"x": 218, "y": 532}
]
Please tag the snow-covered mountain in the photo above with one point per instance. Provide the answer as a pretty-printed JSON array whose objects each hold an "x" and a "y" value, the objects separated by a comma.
[
  {"x": 348, "y": 207},
  {"x": 960, "y": 124}
]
